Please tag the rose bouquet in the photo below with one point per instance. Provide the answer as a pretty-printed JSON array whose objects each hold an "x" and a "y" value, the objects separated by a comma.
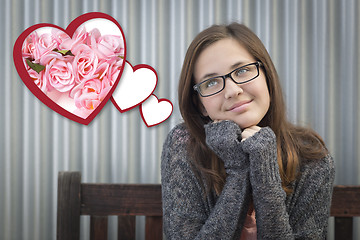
[{"x": 76, "y": 73}]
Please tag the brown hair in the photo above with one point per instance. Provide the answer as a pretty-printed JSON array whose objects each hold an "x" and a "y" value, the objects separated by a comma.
[{"x": 293, "y": 143}]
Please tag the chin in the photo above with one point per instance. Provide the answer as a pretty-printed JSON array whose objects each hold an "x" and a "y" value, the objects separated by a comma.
[{"x": 247, "y": 124}]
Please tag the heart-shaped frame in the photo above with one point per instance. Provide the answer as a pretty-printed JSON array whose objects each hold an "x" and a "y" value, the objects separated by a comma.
[
  {"x": 70, "y": 30},
  {"x": 128, "y": 91}
]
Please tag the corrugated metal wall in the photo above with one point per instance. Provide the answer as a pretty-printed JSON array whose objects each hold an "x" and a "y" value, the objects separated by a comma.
[{"x": 314, "y": 44}]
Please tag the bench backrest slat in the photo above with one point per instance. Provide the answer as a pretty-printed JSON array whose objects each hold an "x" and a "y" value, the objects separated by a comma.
[{"x": 345, "y": 201}]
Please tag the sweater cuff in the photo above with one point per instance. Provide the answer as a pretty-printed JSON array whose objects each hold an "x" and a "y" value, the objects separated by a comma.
[
  {"x": 263, "y": 139},
  {"x": 223, "y": 139},
  {"x": 225, "y": 130}
]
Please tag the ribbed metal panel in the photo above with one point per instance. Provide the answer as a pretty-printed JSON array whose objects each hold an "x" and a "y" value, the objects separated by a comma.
[{"x": 314, "y": 44}]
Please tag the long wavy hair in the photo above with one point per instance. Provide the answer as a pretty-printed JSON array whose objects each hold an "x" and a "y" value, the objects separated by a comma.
[{"x": 293, "y": 143}]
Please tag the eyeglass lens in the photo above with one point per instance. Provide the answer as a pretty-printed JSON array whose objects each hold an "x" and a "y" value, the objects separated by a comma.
[{"x": 240, "y": 75}]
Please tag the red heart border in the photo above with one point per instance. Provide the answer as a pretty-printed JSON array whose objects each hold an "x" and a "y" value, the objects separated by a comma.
[
  {"x": 19, "y": 65},
  {"x": 134, "y": 68},
  {"x": 159, "y": 100}
]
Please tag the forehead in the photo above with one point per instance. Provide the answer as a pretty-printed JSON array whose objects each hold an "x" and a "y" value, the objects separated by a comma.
[{"x": 220, "y": 57}]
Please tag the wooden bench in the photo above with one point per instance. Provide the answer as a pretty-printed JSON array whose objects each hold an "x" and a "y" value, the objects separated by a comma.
[
  {"x": 129, "y": 200},
  {"x": 345, "y": 205},
  {"x": 101, "y": 200}
]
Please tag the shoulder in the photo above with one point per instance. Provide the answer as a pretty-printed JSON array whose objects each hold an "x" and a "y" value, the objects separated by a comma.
[
  {"x": 312, "y": 151},
  {"x": 176, "y": 144},
  {"x": 324, "y": 166},
  {"x": 176, "y": 166},
  {"x": 315, "y": 175},
  {"x": 179, "y": 134},
  {"x": 177, "y": 139},
  {"x": 310, "y": 143}
]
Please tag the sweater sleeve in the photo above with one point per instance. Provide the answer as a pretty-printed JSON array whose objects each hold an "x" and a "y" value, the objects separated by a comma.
[
  {"x": 304, "y": 215},
  {"x": 186, "y": 212}
]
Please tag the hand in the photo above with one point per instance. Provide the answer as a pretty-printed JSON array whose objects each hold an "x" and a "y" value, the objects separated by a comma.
[
  {"x": 222, "y": 134},
  {"x": 248, "y": 132},
  {"x": 223, "y": 137}
]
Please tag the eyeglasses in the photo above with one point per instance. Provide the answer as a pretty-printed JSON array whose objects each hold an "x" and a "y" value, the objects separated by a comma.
[{"x": 240, "y": 75}]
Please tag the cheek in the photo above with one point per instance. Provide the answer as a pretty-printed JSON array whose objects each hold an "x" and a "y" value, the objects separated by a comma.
[
  {"x": 260, "y": 89},
  {"x": 205, "y": 108},
  {"x": 265, "y": 100},
  {"x": 266, "y": 95},
  {"x": 211, "y": 107}
]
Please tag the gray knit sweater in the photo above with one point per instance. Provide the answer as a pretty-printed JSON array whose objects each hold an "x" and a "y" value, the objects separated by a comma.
[{"x": 252, "y": 170}]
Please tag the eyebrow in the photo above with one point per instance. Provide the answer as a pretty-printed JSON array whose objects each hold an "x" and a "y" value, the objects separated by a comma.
[{"x": 232, "y": 67}]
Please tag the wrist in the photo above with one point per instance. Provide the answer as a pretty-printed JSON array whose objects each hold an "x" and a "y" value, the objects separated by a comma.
[
  {"x": 225, "y": 131},
  {"x": 224, "y": 139},
  {"x": 261, "y": 140}
]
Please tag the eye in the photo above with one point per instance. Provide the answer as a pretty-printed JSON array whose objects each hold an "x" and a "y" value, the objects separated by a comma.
[
  {"x": 241, "y": 71},
  {"x": 212, "y": 83}
]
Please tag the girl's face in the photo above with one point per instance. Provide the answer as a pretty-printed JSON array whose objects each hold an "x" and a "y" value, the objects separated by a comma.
[{"x": 246, "y": 104}]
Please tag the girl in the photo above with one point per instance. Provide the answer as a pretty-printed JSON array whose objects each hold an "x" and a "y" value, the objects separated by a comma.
[{"x": 236, "y": 168}]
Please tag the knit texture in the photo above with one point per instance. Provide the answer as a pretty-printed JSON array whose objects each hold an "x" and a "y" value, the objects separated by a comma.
[{"x": 252, "y": 170}]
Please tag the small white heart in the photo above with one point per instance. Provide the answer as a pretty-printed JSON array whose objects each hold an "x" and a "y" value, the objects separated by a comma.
[
  {"x": 135, "y": 86},
  {"x": 154, "y": 111}
]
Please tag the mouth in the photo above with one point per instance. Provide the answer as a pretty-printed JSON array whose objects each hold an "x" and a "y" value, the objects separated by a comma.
[{"x": 239, "y": 106}]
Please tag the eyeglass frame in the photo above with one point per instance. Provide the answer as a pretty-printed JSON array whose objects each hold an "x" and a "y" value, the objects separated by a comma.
[{"x": 257, "y": 64}]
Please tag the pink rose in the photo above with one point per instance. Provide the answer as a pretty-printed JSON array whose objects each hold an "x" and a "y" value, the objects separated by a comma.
[
  {"x": 94, "y": 36},
  {"x": 43, "y": 46},
  {"x": 106, "y": 46},
  {"x": 39, "y": 80},
  {"x": 113, "y": 43},
  {"x": 109, "y": 69},
  {"x": 85, "y": 62},
  {"x": 59, "y": 71},
  {"x": 114, "y": 70},
  {"x": 80, "y": 37},
  {"x": 93, "y": 42},
  {"x": 90, "y": 93},
  {"x": 86, "y": 76},
  {"x": 37, "y": 77},
  {"x": 102, "y": 69},
  {"x": 59, "y": 36},
  {"x": 28, "y": 47}
]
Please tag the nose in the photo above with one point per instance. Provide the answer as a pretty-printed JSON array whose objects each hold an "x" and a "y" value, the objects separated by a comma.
[{"x": 231, "y": 88}]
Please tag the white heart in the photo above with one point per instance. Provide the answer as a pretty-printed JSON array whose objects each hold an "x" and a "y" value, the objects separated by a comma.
[
  {"x": 154, "y": 111},
  {"x": 135, "y": 86}
]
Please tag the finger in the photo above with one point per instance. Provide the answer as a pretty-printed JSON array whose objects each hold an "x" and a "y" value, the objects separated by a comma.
[
  {"x": 255, "y": 128},
  {"x": 248, "y": 132}
]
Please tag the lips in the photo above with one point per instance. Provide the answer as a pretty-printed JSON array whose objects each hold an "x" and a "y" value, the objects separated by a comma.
[{"x": 239, "y": 106}]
